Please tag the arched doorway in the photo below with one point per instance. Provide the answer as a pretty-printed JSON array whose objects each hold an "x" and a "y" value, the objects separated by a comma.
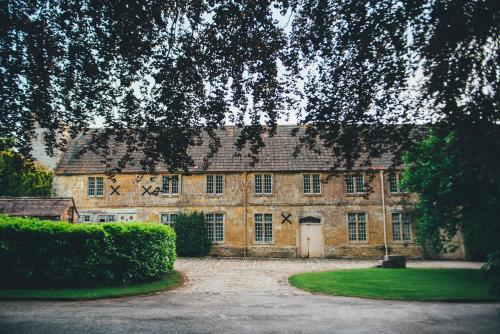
[{"x": 310, "y": 237}]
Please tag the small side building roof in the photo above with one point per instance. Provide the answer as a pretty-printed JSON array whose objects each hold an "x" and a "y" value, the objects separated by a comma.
[{"x": 36, "y": 206}]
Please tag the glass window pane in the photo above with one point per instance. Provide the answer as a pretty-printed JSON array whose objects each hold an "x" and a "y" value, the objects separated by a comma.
[
  {"x": 350, "y": 184},
  {"x": 210, "y": 231},
  {"x": 165, "y": 184},
  {"x": 210, "y": 184},
  {"x": 352, "y": 231},
  {"x": 393, "y": 183},
  {"x": 268, "y": 184},
  {"x": 175, "y": 184},
  {"x": 360, "y": 185},
  {"x": 99, "y": 189},
  {"x": 396, "y": 231},
  {"x": 258, "y": 231},
  {"x": 165, "y": 218},
  {"x": 219, "y": 184},
  {"x": 351, "y": 217},
  {"x": 406, "y": 232},
  {"x": 173, "y": 217},
  {"x": 219, "y": 232},
  {"x": 91, "y": 191},
  {"x": 258, "y": 184},
  {"x": 316, "y": 184},
  {"x": 268, "y": 234},
  {"x": 362, "y": 231},
  {"x": 307, "y": 184}
]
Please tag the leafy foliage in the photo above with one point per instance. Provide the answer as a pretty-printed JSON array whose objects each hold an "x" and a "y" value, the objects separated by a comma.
[
  {"x": 492, "y": 267},
  {"x": 21, "y": 177},
  {"x": 459, "y": 188},
  {"x": 45, "y": 253},
  {"x": 192, "y": 236}
]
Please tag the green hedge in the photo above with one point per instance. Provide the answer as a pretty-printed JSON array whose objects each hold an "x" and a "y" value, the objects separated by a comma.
[
  {"x": 192, "y": 236},
  {"x": 47, "y": 253}
]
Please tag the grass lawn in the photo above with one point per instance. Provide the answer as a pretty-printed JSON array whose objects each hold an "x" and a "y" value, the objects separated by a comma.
[
  {"x": 403, "y": 284},
  {"x": 173, "y": 279}
]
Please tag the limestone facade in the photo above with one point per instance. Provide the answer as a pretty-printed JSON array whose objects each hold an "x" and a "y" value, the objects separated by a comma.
[{"x": 239, "y": 205}]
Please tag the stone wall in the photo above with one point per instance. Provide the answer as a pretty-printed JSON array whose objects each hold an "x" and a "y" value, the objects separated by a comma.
[{"x": 288, "y": 198}]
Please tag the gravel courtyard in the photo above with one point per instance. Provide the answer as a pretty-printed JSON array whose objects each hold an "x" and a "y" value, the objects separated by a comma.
[{"x": 270, "y": 276}]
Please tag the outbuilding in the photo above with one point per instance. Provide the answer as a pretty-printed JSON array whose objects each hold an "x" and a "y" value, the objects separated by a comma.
[{"x": 57, "y": 208}]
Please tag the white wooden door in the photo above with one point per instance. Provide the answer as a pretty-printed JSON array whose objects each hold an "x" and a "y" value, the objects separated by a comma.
[{"x": 311, "y": 240}]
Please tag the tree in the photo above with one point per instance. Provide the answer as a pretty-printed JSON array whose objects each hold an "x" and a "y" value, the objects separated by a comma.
[
  {"x": 192, "y": 237},
  {"x": 21, "y": 177},
  {"x": 459, "y": 189},
  {"x": 458, "y": 183}
]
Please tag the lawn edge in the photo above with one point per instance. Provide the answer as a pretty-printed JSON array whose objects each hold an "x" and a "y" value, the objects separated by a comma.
[
  {"x": 180, "y": 282},
  {"x": 319, "y": 293}
]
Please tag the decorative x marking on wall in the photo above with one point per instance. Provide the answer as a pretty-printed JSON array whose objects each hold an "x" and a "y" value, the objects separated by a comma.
[
  {"x": 286, "y": 218},
  {"x": 146, "y": 190},
  {"x": 115, "y": 190}
]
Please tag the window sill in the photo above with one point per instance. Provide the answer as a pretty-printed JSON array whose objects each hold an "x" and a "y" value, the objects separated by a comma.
[
  {"x": 264, "y": 243},
  {"x": 399, "y": 194},
  {"x": 263, "y": 195},
  {"x": 313, "y": 195},
  {"x": 170, "y": 195},
  {"x": 218, "y": 243},
  {"x": 357, "y": 195},
  {"x": 358, "y": 242}
]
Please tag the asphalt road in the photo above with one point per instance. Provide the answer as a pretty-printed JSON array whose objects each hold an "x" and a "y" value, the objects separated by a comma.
[{"x": 182, "y": 312}]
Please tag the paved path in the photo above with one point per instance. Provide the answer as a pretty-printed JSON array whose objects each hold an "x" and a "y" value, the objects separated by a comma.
[
  {"x": 270, "y": 276},
  {"x": 245, "y": 313},
  {"x": 249, "y": 296}
]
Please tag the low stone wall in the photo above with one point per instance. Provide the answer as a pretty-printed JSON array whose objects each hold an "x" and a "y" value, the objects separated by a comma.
[
  {"x": 366, "y": 251},
  {"x": 253, "y": 251}
]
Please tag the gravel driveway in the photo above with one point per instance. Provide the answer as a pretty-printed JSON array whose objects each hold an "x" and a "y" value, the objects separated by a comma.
[{"x": 270, "y": 276}]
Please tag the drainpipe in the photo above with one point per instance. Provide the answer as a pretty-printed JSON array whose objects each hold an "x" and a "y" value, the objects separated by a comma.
[
  {"x": 383, "y": 212},
  {"x": 245, "y": 203}
]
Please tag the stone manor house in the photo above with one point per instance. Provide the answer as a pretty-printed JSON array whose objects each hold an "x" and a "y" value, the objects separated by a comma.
[{"x": 283, "y": 206}]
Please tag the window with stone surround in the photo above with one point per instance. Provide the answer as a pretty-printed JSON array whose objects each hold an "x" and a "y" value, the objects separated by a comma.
[
  {"x": 215, "y": 227},
  {"x": 395, "y": 184},
  {"x": 312, "y": 184},
  {"x": 401, "y": 226},
  {"x": 355, "y": 184},
  {"x": 263, "y": 228},
  {"x": 263, "y": 184},
  {"x": 171, "y": 185},
  {"x": 95, "y": 186},
  {"x": 168, "y": 218},
  {"x": 105, "y": 218},
  {"x": 215, "y": 184},
  {"x": 356, "y": 225}
]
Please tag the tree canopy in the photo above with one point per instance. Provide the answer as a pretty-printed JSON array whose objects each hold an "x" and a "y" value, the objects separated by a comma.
[
  {"x": 154, "y": 72},
  {"x": 21, "y": 177}
]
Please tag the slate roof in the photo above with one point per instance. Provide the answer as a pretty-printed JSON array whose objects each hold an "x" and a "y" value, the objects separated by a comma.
[
  {"x": 35, "y": 206},
  {"x": 276, "y": 155}
]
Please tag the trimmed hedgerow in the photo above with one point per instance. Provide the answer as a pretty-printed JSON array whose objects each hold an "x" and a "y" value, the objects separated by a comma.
[
  {"x": 47, "y": 253},
  {"x": 192, "y": 236}
]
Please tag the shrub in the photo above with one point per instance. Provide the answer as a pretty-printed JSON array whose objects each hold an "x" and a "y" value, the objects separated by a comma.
[
  {"x": 492, "y": 268},
  {"x": 192, "y": 236},
  {"x": 47, "y": 253}
]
